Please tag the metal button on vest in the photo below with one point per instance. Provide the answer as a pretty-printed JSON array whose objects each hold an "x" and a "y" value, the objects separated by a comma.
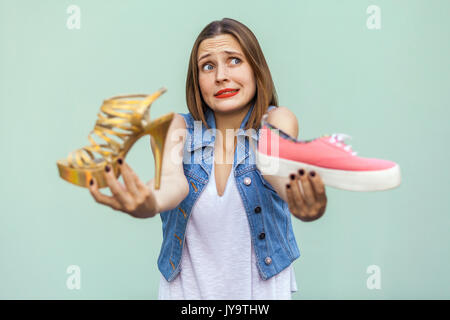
[
  {"x": 262, "y": 235},
  {"x": 257, "y": 209},
  {"x": 247, "y": 181},
  {"x": 268, "y": 260}
]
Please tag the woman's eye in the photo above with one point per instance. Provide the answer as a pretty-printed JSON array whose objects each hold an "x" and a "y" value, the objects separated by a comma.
[
  {"x": 239, "y": 60},
  {"x": 208, "y": 67},
  {"x": 205, "y": 67}
]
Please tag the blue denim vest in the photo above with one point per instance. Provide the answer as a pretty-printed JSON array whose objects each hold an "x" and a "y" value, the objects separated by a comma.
[{"x": 268, "y": 215}]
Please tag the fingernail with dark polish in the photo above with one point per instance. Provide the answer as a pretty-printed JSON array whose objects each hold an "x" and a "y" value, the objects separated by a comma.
[
  {"x": 91, "y": 182},
  {"x": 288, "y": 186},
  {"x": 119, "y": 161},
  {"x": 107, "y": 168},
  {"x": 312, "y": 173},
  {"x": 292, "y": 176},
  {"x": 301, "y": 172}
]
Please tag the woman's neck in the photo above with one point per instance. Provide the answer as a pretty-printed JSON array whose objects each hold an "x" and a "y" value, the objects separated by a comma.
[{"x": 231, "y": 122}]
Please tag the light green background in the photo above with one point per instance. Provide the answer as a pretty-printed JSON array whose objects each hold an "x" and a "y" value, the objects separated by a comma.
[{"x": 387, "y": 88}]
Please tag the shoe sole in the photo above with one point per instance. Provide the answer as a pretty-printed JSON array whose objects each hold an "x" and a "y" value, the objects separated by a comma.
[
  {"x": 341, "y": 179},
  {"x": 81, "y": 177}
]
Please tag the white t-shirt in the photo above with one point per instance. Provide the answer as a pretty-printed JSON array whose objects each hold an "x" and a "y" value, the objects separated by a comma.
[{"x": 218, "y": 260}]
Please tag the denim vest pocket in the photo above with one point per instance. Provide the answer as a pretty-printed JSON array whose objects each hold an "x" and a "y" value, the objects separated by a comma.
[{"x": 193, "y": 172}]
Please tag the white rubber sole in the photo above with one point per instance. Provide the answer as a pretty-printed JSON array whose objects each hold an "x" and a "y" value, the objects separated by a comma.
[{"x": 340, "y": 179}]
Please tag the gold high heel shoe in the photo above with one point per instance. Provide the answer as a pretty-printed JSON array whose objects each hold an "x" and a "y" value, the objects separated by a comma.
[{"x": 81, "y": 165}]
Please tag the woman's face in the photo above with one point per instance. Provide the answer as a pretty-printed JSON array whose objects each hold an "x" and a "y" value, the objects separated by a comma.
[{"x": 222, "y": 65}]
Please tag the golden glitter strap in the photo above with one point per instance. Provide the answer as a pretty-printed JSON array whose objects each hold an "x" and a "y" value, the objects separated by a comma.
[{"x": 121, "y": 118}]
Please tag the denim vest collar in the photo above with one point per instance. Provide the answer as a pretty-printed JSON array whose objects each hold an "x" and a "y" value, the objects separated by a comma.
[{"x": 203, "y": 137}]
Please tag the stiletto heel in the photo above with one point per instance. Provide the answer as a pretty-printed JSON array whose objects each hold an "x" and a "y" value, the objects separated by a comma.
[
  {"x": 158, "y": 129},
  {"x": 129, "y": 116}
]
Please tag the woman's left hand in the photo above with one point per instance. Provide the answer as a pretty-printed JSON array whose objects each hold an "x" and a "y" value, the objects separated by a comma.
[{"x": 309, "y": 205}]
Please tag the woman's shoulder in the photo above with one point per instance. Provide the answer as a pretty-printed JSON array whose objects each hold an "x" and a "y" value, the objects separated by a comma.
[
  {"x": 186, "y": 118},
  {"x": 284, "y": 119},
  {"x": 281, "y": 110},
  {"x": 178, "y": 123}
]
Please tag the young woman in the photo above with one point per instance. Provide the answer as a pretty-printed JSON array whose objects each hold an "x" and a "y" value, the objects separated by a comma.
[{"x": 227, "y": 230}]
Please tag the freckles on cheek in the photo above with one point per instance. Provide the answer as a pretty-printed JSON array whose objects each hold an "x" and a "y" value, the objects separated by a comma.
[
  {"x": 204, "y": 91},
  {"x": 205, "y": 85},
  {"x": 201, "y": 83}
]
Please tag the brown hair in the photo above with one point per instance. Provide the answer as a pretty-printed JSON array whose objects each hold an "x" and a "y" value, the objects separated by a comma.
[{"x": 265, "y": 90}]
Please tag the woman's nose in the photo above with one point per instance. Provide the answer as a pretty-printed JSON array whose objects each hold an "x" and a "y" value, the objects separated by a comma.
[{"x": 222, "y": 73}]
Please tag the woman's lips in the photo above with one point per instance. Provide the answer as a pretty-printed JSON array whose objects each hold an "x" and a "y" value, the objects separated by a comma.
[{"x": 227, "y": 94}]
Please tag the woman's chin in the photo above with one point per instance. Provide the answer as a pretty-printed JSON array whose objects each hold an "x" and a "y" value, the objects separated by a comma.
[
  {"x": 228, "y": 106},
  {"x": 227, "y": 110}
]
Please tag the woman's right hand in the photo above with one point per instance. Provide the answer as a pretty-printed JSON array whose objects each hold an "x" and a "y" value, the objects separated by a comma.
[
  {"x": 134, "y": 198},
  {"x": 143, "y": 200}
]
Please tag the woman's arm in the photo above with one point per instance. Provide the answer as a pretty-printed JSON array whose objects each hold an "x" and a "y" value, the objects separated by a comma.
[{"x": 284, "y": 119}]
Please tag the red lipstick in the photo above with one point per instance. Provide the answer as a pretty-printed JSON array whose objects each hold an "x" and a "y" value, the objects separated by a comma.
[{"x": 225, "y": 93}]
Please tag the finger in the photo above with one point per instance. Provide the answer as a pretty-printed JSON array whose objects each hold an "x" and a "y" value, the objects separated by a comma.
[
  {"x": 122, "y": 196},
  {"x": 122, "y": 186},
  {"x": 318, "y": 186},
  {"x": 128, "y": 178},
  {"x": 307, "y": 188},
  {"x": 299, "y": 202},
  {"x": 101, "y": 198},
  {"x": 290, "y": 200}
]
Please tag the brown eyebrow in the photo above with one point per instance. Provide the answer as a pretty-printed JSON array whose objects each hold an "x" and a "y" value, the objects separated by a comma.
[{"x": 226, "y": 51}]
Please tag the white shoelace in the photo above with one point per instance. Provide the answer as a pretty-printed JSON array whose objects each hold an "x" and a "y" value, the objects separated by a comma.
[{"x": 339, "y": 138}]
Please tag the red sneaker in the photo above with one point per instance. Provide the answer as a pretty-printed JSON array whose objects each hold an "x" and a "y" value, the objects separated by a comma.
[{"x": 338, "y": 166}]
